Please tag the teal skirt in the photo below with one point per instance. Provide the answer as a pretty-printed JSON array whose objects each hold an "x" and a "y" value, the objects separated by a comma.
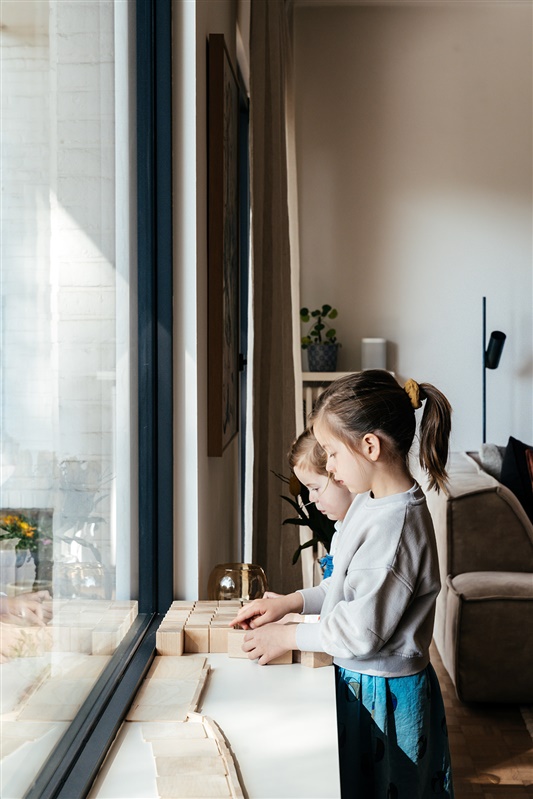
[{"x": 393, "y": 741}]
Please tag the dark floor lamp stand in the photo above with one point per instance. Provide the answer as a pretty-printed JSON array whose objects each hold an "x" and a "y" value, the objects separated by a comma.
[{"x": 491, "y": 359}]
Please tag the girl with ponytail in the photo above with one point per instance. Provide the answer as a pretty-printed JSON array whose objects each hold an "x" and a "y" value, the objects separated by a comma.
[{"x": 376, "y": 618}]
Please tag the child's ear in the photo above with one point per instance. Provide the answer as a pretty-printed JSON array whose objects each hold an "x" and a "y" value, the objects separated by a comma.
[{"x": 371, "y": 446}]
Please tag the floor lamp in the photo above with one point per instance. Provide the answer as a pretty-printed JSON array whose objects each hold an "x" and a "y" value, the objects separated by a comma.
[{"x": 491, "y": 358}]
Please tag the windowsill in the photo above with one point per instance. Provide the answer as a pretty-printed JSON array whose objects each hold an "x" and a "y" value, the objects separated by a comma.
[{"x": 285, "y": 713}]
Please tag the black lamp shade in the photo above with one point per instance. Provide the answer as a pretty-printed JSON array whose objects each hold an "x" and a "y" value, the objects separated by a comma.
[{"x": 494, "y": 349}]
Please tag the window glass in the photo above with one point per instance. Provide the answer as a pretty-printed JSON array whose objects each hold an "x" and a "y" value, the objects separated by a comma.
[{"x": 68, "y": 457}]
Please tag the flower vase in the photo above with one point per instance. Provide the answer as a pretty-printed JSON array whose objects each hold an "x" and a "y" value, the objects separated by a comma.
[
  {"x": 44, "y": 571},
  {"x": 25, "y": 571},
  {"x": 8, "y": 561}
]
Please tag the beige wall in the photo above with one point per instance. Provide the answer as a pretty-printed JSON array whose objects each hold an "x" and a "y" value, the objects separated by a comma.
[
  {"x": 414, "y": 142},
  {"x": 206, "y": 497}
]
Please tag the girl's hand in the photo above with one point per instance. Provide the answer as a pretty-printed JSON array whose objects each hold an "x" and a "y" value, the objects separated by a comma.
[
  {"x": 269, "y": 642},
  {"x": 265, "y": 611},
  {"x": 28, "y": 608}
]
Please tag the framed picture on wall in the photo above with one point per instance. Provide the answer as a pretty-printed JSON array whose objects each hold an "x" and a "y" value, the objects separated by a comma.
[{"x": 223, "y": 248}]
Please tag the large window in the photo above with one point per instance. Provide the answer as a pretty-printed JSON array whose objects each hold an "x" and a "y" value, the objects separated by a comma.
[{"x": 72, "y": 604}]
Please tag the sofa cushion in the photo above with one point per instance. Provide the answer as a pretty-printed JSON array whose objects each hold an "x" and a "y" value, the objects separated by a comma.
[
  {"x": 491, "y": 459},
  {"x": 517, "y": 473},
  {"x": 488, "y": 645},
  {"x": 493, "y": 585}
]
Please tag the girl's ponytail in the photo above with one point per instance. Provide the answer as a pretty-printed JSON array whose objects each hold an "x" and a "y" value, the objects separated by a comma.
[{"x": 435, "y": 428}]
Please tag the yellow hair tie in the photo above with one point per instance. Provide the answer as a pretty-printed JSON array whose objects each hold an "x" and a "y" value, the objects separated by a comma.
[{"x": 413, "y": 392}]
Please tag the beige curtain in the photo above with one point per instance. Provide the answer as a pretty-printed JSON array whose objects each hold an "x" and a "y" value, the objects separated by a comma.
[{"x": 274, "y": 409}]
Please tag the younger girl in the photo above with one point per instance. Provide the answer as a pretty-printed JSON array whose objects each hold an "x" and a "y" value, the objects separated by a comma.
[
  {"x": 376, "y": 618},
  {"x": 308, "y": 460}
]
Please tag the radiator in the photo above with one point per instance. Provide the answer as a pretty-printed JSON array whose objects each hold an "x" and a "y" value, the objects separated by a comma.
[
  {"x": 313, "y": 384},
  {"x": 310, "y": 396}
]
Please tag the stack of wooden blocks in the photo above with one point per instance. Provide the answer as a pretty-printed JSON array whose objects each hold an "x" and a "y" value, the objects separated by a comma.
[
  {"x": 202, "y": 626},
  {"x": 90, "y": 627}
]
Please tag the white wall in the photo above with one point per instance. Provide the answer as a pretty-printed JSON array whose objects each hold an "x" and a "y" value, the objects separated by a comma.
[
  {"x": 414, "y": 142},
  {"x": 207, "y": 512}
]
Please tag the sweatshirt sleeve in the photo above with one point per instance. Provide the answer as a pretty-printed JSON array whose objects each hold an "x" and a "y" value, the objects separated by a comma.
[
  {"x": 362, "y": 626},
  {"x": 314, "y": 597}
]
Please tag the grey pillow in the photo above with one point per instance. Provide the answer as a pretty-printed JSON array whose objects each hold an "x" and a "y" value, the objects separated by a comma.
[{"x": 491, "y": 457}]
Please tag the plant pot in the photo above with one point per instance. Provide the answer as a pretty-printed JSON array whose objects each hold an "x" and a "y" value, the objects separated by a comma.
[{"x": 322, "y": 357}]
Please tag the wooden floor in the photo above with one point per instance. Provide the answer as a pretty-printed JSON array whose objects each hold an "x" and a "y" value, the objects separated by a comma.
[{"x": 491, "y": 748}]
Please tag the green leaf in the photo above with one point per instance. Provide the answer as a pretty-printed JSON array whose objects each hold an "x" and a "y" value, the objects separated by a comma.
[
  {"x": 295, "y": 557},
  {"x": 309, "y": 543},
  {"x": 300, "y": 522},
  {"x": 293, "y": 504},
  {"x": 333, "y": 313},
  {"x": 326, "y": 309},
  {"x": 331, "y": 333}
]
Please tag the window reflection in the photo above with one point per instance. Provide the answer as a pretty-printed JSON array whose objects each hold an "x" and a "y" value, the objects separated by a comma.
[{"x": 66, "y": 529}]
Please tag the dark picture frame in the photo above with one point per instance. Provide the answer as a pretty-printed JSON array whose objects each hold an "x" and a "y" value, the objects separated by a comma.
[{"x": 223, "y": 248}]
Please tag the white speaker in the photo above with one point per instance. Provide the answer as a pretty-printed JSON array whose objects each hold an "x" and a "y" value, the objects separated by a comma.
[{"x": 373, "y": 353}]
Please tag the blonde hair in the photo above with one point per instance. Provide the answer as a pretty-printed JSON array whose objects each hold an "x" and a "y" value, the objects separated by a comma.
[
  {"x": 372, "y": 401},
  {"x": 306, "y": 453}
]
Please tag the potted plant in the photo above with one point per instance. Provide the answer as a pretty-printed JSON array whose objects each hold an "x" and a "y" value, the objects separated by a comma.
[
  {"x": 31, "y": 539},
  {"x": 321, "y": 340}
]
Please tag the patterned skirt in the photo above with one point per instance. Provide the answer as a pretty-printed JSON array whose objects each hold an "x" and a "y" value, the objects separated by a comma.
[{"x": 393, "y": 741}]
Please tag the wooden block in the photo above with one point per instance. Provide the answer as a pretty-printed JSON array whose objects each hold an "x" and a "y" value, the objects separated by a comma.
[
  {"x": 188, "y": 786},
  {"x": 62, "y": 642},
  {"x": 158, "y": 713},
  {"x": 105, "y": 640},
  {"x": 79, "y": 666},
  {"x": 171, "y": 766},
  {"x": 218, "y": 638},
  {"x": 187, "y": 747},
  {"x": 176, "y": 617},
  {"x": 81, "y": 640},
  {"x": 166, "y": 700},
  {"x": 165, "y": 692},
  {"x": 177, "y": 668},
  {"x": 49, "y": 703},
  {"x": 172, "y": 625},
  {"x": 166, "y": 734},
  {"x": 282, "y": 660},
  {"x": 196, "y": 639},
  {"x": 315, "y": 660},
  {"x": 214, "y": 731},
  {"x": 170, "y": 641},
  {"x": 199, "y": 619},
  {"x": 235, "y": 639},
  {"x": 21, "y": 641}
]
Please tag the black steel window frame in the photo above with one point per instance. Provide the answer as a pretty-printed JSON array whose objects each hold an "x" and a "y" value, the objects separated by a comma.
[{"x": 73, "y": 765}]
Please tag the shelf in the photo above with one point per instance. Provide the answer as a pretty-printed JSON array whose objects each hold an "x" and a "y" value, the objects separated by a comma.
[{"x": 323, "y": 377}]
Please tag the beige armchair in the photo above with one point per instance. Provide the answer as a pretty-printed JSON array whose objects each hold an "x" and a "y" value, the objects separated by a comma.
[{"x": 484, "y": 618}]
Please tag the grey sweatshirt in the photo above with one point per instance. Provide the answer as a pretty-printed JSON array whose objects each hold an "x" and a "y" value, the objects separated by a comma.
[{"x": 377, "y": 608}]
